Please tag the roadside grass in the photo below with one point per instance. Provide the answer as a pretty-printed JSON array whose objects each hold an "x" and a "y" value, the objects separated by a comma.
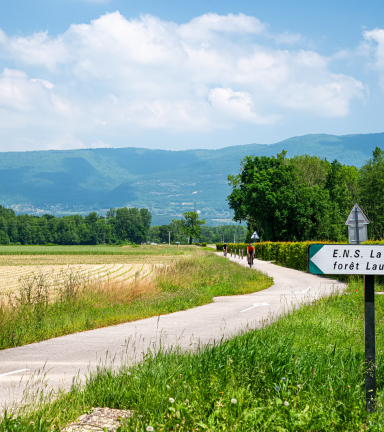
[
  {"x": 40, "y": 311},
  {"x": 304, "y": 372},
  {"x": 96, "y": 250}
]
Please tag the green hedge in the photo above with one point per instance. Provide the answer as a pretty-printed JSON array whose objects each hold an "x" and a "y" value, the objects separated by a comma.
[{"x": 287, "y": 254}]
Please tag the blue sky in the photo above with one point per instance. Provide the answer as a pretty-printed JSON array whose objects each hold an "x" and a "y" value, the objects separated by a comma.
[{"x": 177, "y": 75}]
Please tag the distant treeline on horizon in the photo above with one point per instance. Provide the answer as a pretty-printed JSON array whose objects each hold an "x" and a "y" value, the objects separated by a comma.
[{"x": 119, "y": 226}]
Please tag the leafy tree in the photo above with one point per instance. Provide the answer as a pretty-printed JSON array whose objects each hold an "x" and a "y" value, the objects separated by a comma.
[
  {"x": 371, "y": 183},
  {"x": 285, "y": 200},
  {"x": 190, "y": 225}
]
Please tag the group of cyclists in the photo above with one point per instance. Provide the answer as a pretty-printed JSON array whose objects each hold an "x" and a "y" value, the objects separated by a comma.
[{"x": 250, "y": 252}]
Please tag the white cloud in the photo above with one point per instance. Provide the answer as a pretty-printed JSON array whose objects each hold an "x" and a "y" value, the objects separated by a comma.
[
  {"x": 213, "y": 72},
  {"x": 377, "y": 37}
]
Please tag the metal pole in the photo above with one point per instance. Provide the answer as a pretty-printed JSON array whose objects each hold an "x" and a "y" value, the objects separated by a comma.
[
  {"x": 234, "y": 238},
  {"x": 169, "y": 238},
  {"x": 357, "y": 225},
  {"x": 369, "y": 336}
]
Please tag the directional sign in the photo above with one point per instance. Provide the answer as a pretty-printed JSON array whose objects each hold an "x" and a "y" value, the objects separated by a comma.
[
  {"x": 346, "y": 259},
  {"x": 255, "y": 236}
]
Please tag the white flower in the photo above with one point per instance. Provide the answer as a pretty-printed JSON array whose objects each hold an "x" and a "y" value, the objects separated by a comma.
[
  {"x": 234, "y": 401},
  {"x": 149, "y": 428},
  {"x": 128, "y": 373},
  {"x": 286, "y": 403},
  {"x": 171, "y": 400},
  {"x": 168, "y": 387},
  {"x": 136, "y": 377}
]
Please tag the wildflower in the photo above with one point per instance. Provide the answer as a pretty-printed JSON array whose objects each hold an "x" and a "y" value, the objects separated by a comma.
[
  {"x": 330, "y": 389},
  {"x": 283, "y": 379},
  {"x": 277, "y": 388},
  {"x": 286, "y": 403},
  {"x": 128, "y": 373},
  {"x": 355, "y": 290},
  {"x": 234, "y": 401},
  {"x": 298, "y": 386},
  {"x": 177, "y": 425},
  {"x": 171, "y": 400},
  {"x": 149, "y": 428},
  {"x": 168, "y": 387},
  {"x": 136, "y": 377},
  {"x": 349, "y": 386}
]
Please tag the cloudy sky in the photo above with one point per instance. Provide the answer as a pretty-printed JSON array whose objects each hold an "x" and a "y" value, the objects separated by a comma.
[{"x": 176, "y": 74}]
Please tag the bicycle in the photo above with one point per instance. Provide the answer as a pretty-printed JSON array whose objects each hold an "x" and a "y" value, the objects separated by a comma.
[{"x": 250, "y": 260}]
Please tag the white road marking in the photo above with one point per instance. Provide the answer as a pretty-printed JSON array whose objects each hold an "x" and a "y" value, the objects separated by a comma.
[
  {"x": 255, "y": 305},
  {"x": 10, "y": 373},
  {"x": 298, "y": 292}
]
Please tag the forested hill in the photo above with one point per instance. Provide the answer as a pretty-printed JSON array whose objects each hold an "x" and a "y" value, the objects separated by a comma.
[{"x": 166, "y": 182}]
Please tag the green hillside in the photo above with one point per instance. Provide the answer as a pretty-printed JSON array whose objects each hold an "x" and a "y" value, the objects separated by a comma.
[{"x": 167, "y": 182}]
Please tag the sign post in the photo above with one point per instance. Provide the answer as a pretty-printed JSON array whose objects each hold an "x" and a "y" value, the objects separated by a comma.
[
  {"x": 364, "y": 260},
  {"x": 367, "y": 260}
]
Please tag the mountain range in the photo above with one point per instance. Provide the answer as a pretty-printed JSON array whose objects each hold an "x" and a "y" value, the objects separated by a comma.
[{"x": 166, "y": 182}]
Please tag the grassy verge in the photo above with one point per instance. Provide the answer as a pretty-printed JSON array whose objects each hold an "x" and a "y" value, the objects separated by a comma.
[
  {"x": 38, "y": 313},
  {"x": 304, "y": 372}
]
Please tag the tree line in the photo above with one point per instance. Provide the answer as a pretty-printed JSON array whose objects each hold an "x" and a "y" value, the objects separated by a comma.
[
  {"x": 306, "y": 197},
  {"x": 186, "y": 230},
  {"x": 120, "y": 225}
]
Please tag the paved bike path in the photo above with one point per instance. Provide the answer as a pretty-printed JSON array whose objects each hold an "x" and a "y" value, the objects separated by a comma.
[{"x": 65, "y": 357}]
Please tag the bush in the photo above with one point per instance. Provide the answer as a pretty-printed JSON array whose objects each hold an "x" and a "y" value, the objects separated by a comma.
[
  {"x": 204, "y": 244},
  {"x": 293, "y": 255}
]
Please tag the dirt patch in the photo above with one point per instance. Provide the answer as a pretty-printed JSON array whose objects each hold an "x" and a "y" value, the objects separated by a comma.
[{"x": 99, "y": 420}]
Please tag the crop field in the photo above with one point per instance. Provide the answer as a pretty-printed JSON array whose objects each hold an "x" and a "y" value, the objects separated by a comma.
[
  {"x": 12, "y": 277},
  {"x": 144, "y": 250}
]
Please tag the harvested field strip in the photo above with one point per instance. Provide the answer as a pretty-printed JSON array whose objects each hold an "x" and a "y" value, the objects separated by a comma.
[
  {"x": 147, "y": 274},
  {"x": 114, "y": 271},
  {"x": 10, "y": 280},
  {"x": 121, "y": 274},
  {"x": 134, "y": 274},
  {"x": 98, "y": 269}
]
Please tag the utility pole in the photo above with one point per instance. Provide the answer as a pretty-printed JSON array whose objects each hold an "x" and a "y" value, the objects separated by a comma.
[{"x": 234, "y": 238}]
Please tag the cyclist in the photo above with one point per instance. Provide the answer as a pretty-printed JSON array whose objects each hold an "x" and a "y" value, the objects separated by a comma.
[
  {"x": 225, "y": 247},
  {"x": 250, "y": 252}
]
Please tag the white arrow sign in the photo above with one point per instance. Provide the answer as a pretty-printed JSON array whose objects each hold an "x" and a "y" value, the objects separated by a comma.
[
  {"x": 255, "y": 305},
  {"x": 346, "y": 259}
]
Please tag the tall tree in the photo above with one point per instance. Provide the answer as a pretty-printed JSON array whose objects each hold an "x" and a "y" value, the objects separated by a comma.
[
  {"x": 371, "y": 184},
  {"x": 190, "y": 225},
  {"x": 285, "y": 200}
]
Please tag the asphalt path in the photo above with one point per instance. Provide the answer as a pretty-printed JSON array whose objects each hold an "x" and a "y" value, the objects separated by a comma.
[{"x": 61, "y": 359}]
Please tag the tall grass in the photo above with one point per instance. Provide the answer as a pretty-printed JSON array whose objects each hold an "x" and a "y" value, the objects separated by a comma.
[
  {"x": 47, "y": 306},
  {"x": 303, "y": 372}
]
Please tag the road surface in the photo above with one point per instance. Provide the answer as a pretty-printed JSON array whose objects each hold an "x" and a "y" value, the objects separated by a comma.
[{"x": 66, "y": 357}]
